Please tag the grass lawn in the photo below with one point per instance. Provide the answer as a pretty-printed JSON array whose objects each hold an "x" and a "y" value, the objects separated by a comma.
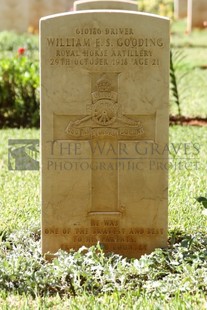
[
  {"x": 192, "y": 70},
  {"x": 173, "y": 278}
]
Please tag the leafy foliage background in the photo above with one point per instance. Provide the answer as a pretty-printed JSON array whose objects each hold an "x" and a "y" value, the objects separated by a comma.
[{"x": 19, "y": 81}]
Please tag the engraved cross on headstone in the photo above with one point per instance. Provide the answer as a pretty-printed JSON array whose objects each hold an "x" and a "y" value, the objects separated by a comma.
[{"x": 104, "y": 127}]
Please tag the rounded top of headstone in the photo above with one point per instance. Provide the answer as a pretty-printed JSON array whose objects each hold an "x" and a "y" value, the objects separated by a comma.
[{"x": 128, "y": 5}]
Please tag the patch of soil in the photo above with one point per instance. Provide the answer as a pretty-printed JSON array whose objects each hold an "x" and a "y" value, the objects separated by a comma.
[
  {"x": 203, "y": 67},
  {"x": 188, "y": 121}
]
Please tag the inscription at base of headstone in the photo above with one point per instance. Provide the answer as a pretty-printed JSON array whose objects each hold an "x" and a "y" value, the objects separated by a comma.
[{"x": 104, "y": 131}]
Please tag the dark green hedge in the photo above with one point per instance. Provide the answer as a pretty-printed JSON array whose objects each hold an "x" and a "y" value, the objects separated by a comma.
[
  {"x": 19, "y": 80},
  {"x": 19, "y": 92}
]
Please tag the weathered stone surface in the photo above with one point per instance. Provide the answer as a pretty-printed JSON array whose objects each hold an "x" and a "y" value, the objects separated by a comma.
[
  {"x": 40, "y": 8},
  {"x": 197, "y": 14},
  {"x": 103, "y": 4},
  {"x": 13, "y": 16},
  {"x": 22, "y": 15},
  {"x": 180, "y": 8},
  {"x": 104, "y": 131}
]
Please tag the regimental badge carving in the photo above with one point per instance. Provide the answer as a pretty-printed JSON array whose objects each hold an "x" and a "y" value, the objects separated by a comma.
[
  {"x": 104, "y": 112},
  {"x": 105, "y": 106}
]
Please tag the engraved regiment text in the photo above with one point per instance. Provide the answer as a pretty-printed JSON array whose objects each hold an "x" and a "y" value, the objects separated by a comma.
[{"x": 104, "y": 47}]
